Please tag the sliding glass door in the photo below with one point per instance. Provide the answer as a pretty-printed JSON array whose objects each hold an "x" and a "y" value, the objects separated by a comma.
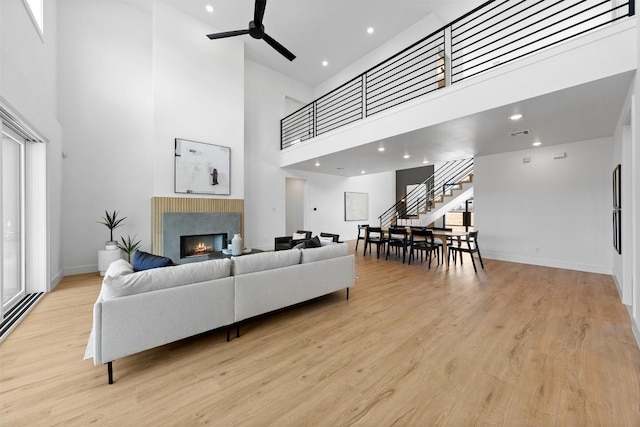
[{"x": 12, "y": 220}]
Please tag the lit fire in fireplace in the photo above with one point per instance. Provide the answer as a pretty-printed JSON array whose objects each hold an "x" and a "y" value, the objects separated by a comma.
[
  {"x": 202, "y": 248},
  {"x": 201, "y": 244}
]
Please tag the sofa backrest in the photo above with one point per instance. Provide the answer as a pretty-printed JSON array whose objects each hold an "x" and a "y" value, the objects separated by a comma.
[
  {"x": 264, "y": 261},
  {"x": 118, "y": 282},
  {"x": 325, "y": 252}
]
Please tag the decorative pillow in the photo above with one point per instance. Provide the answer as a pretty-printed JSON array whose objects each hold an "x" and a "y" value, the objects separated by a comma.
[
  {"x": 118, "y": 268},
  {"x": 147, "y": 261},
  {"x": 300, "y": 245},
  {"x": 325, "y": 239},
  {"x": 313, "y": 243},
  {"x": 299, "y": 236},
  {"x": 329, "y": 243},
  {"x": 326, "y": 252}
]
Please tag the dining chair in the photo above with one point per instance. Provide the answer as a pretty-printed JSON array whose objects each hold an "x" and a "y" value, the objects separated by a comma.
[
  {"x": 398, "y": 238},
  {"x": 374, "y": 236},
  {"x": 421, "y": 240},
  {"x": 362, "y": 233},
  {"x": 438, "y": 242},
  {"x": 470, "y": 246},
  {"x": 334, "y": 237}
]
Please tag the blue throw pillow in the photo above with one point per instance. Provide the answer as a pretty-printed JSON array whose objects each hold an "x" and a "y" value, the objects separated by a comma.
[{"x": 147, "y": 261}]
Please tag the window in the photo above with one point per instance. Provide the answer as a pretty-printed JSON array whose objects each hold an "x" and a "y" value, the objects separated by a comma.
[{"x": 36, "y": 10}]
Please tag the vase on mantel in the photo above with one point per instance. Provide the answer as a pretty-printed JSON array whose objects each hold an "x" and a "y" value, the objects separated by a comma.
[{"x": 236, "y": 245}]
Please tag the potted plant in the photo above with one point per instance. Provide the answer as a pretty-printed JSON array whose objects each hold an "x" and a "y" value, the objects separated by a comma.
[
  {"x": 111, "y": 221},
  {"x": 128, "y": 245}
]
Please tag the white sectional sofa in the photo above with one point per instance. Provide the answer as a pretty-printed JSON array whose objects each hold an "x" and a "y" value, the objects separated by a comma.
[{"x": 136, "y": 311}]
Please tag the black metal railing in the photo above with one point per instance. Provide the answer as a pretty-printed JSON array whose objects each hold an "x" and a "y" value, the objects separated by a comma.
[
  {"x": 491, "y": 35},
  {"x": 501, "y": 32},
  {"x": 422, "y": 198}
]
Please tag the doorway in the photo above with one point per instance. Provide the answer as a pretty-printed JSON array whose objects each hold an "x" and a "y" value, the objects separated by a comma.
[{"x": 294, "y": 210}]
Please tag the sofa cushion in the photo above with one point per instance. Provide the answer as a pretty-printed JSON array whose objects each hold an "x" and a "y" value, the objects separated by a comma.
[
  {"x": 147, "y": 261},
  {"x": 325, "y": 252},
  {"x": 164, "y": 277},
  {"x": 118, "y": 268},
  {"x": 299, "y": 236},
  {"x": 264, "y": 261}
]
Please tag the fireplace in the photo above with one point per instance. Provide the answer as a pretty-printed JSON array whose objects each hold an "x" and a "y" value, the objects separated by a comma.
[{"x": 198, "y": 245}]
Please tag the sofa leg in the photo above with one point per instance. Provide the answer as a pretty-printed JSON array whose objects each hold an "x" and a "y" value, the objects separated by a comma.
[
  {"x": 347, "y": 293},
  {"x": 228, "y": 333},
  {"x": 110, "y": 372},
  {"x": 238, "y": 330}
]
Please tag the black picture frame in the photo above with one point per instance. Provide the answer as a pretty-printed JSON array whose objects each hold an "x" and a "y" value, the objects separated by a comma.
[
  {"x": 617, "y": 199},
  {"x": 617, "y": 209}
]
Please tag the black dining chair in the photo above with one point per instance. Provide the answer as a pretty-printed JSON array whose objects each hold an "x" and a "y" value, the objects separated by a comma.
[
  {"x": 362, "y": 233},
  {"x": 470, "y": 246},
  {"x": 421, "y": 240},
  {"x": 374, "y": 236},
  {"x": 399, "y": 239}
]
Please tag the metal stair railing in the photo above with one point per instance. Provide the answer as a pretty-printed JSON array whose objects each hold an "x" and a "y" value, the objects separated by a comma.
[{"x": 422, "y": 198}]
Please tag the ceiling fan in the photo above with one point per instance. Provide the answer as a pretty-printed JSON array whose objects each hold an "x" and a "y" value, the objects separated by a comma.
[{"x": 256, "y": 30}]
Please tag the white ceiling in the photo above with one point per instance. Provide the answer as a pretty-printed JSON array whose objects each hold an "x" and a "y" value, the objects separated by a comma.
[
  {"x": 335, "y": 30},
  {"x": 316, "y": 30}
]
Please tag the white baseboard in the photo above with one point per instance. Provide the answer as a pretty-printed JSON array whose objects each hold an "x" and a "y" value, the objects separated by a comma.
[
  {"x": 55, "y": 280},
  {"x": 82, "y": 269},
  {"x": 543, "y": 262}
]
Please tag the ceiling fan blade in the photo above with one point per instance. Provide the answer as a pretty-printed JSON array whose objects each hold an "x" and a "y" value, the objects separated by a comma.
[
  {"x": 227, "y": 34},
  {"x": 259, "y": 11},
  {"x": 277, "y": 46}
]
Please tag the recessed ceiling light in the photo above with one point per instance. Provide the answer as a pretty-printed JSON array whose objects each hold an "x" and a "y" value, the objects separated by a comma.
[
  {"x": 515, "y": 116},
  {"x": 537, "y": 144},
  {"x": 317, "y": 163},
  {"x": 381, "y": 149},
  {"x": 209, "y": 8},
  {"x": 325, "y": 63},
  {"x": 370, "y": 30},
  {"x": 362, "y": 171},
  {"x": 425, "y": 161},
  {"x": 406, "y": 156}
]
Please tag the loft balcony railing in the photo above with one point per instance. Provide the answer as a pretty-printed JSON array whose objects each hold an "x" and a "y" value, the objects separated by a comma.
[{"x": 493, "y": 34}]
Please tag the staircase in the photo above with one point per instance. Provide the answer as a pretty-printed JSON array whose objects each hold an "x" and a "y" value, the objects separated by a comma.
[
  {"x": 448, "y": 202},
  {"x": 449, "y": 186}
]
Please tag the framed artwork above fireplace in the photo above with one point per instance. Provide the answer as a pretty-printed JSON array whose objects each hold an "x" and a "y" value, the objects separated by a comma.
[{"x": 202, "y": 168}]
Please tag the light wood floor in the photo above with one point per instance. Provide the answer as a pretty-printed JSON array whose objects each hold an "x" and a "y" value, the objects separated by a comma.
[{"x": 515, "y": 345}]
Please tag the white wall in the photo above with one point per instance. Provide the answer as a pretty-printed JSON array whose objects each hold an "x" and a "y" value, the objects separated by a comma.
[
  {"x": 105, "y": 74},
  {"x": 264, "y": 205},
  {"x": 265, "y": 92},
  {"x": 326, "y": 194},
  {"x": 198, "y": 95},
  {"x": 28, "y": 87},
  {"x": 552, "y": 212},
  {"x": 134, "y": 78}
]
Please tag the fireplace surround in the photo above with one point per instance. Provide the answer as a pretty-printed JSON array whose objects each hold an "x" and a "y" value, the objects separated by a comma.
[
  {"x": 192, "y": 216},
  {"x": 177, "y": 224}
]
